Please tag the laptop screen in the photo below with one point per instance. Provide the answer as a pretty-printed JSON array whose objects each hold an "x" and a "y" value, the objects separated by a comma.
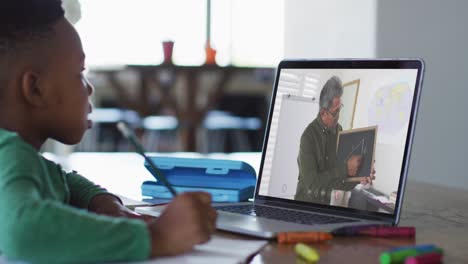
[{"x": 340, "y": 136}]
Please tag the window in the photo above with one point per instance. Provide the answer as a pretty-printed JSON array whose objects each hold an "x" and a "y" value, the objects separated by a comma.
[
  {"x": 244, "y": 33},
  {"x": 293, "y": 82}
]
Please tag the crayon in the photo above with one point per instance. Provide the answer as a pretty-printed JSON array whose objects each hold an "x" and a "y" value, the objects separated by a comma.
[
  {"x": 389, "y": 231},
  {"x": 306, "y": 252},
  {"x": 429, "y": 258},
  {"x": 307, "y": 237},
  {"x": 394, "y": 257},
  {"x": 424, "y": 247},
  {"x": 353, "y": 230}
]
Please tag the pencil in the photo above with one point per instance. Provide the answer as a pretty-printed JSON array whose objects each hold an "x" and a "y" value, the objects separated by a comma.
[{"x": 127, "y": 132}]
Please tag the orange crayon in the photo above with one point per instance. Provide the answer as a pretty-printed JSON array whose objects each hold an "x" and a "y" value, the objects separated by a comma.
[{"x": 296, "y": 237}]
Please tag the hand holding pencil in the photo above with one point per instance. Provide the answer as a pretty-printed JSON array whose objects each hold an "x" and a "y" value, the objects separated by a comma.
[{"x": 187, "y": 221}]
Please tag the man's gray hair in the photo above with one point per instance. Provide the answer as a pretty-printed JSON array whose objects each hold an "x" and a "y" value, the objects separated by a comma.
[{"x": 332, "y": 88}]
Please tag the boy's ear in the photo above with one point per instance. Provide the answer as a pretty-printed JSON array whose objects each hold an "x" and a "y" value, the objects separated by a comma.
[{"x": 32, "y": 92}]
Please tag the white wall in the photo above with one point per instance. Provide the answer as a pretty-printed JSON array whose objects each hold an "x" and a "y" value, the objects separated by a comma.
[
  {"x": 437, "y": 32},
  {"x": 332, "y": 28}
]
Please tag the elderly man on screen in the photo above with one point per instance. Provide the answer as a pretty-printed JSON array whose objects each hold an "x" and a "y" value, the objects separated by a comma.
[{"x": 319, "y": 172}]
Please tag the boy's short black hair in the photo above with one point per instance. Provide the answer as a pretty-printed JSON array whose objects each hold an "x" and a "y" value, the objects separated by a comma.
[{"x": 23, "y": 21}]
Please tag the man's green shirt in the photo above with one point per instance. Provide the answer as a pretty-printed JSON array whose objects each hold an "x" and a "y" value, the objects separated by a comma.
[
  {"x": 44, "y": 217},
  {"x": 319, "y": 172}
]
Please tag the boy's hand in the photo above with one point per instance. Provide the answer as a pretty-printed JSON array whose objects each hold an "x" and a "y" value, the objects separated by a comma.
[
  {"x": 187, "y": 221},
  {"x": 105, "y": 204}
]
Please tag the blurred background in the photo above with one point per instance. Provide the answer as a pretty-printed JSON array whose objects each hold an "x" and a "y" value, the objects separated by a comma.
[{"x": 208, "y": 89}]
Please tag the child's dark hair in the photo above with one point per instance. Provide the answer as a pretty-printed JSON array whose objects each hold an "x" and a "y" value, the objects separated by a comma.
[{"x": 23, "y": 21}]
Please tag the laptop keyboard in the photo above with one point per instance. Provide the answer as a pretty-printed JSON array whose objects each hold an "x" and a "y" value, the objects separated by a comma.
[{"x": 283, "y": 214}]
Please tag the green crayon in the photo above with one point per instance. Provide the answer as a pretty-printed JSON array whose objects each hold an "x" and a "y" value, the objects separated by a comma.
[{"x": 395, "y": 257}]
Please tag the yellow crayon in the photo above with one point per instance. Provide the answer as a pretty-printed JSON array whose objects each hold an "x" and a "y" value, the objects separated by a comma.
[{"x": 306, "y": 252}]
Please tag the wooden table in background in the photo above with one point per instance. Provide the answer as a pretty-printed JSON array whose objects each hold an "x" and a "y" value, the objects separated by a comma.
[{"x": 163, "y": 78}]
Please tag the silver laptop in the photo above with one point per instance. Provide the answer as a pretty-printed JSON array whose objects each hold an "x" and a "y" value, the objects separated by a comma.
[{"x": 336, "y": 149}]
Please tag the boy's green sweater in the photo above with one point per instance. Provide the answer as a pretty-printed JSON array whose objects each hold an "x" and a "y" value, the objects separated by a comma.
[{"x": 44, "y": 217}]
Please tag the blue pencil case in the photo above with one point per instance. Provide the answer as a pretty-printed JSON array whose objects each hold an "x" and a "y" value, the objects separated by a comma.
[{"x": 225, "y": 180}]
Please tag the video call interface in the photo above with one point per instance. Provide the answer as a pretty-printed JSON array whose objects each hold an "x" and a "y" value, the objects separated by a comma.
[{"x": 337, "y": 137}]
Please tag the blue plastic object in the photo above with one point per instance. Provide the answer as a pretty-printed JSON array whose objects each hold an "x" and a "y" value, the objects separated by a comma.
[{"x": 225, "y": 180}]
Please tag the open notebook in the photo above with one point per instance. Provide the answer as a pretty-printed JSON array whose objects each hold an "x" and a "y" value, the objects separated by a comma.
[{"x": 217, "y": 250}]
